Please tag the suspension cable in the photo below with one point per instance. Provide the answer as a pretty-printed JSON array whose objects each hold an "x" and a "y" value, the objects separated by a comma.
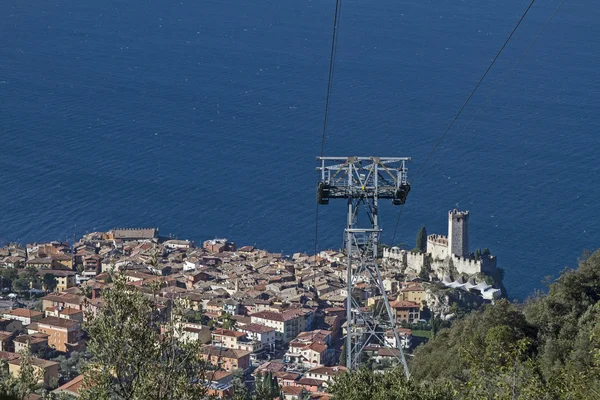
[
  {"x": 476, "y": 87},
  {"x": 334, "y": 37},
  {"x": 490, "y": 96}
]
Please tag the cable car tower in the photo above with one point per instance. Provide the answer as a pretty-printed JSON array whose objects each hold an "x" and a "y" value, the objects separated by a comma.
[{"x": 362, "y": 181}]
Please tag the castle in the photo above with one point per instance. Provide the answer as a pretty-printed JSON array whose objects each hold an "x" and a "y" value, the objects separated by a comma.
[{"x": 445, "y": 255}]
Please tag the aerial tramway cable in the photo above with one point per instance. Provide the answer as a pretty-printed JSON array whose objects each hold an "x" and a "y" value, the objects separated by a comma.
[
  {"x": 488, "y": 98},
  {"x": 334, "y": 36}
]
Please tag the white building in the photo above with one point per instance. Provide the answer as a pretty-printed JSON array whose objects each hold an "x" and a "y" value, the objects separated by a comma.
[{"x": 262, "y": 334}]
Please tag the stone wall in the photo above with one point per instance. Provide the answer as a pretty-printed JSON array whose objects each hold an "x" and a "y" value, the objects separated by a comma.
[
  {"x": 415, "y": 261},
  {"x": 437, "y": 246}
]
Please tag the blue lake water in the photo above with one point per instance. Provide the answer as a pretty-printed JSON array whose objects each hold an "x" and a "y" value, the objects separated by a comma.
[{"x": 204, "y": 118}]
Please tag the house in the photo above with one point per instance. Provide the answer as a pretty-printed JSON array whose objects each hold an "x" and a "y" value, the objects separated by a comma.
[
  {"x": 234, "y": 340},
  {"x": 293, "y": 392},
  {"x": 325, "y": 374},
  {"x": 231, "y": 307},
  {"x": 405, "y": 338},
  {"x": 6, "y": 340},
  {"x": 35, "y": 343},
  {"x": 92, "y": 264},
  {"x": 287, "y": 324},
  {"x": 24, "y": 315},
  {"x": 307, "y": 355},
  {"x": 62, "y": 261},
  {"x": 10, "y": 325},
  {"x": 64, "y": 279},
  {"x": 188, "y": 331},
  {"x": 407, "y": 311},
  {"x": 219, "y": 384},
  {"x": 63, "y": 334},
  {"x": 412, "y": 291},
  {"x": 227, "y": 359},
  {"x": 311, "y": 385},
  {"x": 66, "y": 313},
  {"x": 310, "y": 349},
  {"x": 218, "y": 245},
  {"x": 39, "y": 263},
  {"x": 260, "y": 333},
  {"x": 48, "y": 370},
  {"x": 63, "y": 300}
]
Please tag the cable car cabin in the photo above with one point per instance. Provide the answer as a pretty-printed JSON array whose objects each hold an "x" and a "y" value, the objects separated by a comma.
[
  {"x": 323, "y": 193},
  {"x": 401, "y": 194}
]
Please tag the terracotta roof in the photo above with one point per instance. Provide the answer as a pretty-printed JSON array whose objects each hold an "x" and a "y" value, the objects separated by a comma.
[
  {"x": 60, "y": 322},
  {"x": 385, "y": 352},
  {"x": 310, "y": 382},
  {"x": 276, "y": 316},
  {"x": 288, "y": 376},
  {"x": 256, "y": 328},
  {"x": 227, "y": 332},
  {"x": 404, "y": 304},
  {"x": 35, "y": 338},
  {"x": 271, "y": 366},
  {"x": 292, "y": 390},
  {"x": 72, "y": 386},
  {"x": 6, "y": 355},
  {"x": 318, "y": 347},
  {"x": 24, "y": 312},
  {"x": 224, "y": 352},
  {"x": 70, "y": 311},
  {"x": 218, "y": 375},
  {"x": 40, "y": 362}
]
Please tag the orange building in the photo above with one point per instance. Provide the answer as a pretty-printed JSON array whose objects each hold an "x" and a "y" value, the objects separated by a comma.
[
  {"x": 63, "y": 334},
  {"x": 408, "y": 311},
  {"x": 227, "y": 359}
]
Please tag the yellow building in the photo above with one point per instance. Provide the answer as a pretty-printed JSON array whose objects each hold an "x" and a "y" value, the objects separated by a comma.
[
  {"x": 64, "y": 279},
  {"x": 62, "y": 261},
  {"x": 47, "y": 371},
  {"x": 413, "y": 292}
]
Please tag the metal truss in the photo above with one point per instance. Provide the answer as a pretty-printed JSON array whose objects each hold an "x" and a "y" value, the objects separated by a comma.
[{"x": 362, "y": 181}]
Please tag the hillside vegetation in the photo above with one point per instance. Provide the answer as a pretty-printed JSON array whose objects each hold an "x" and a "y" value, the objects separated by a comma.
[{"x": 546, "y": 348}]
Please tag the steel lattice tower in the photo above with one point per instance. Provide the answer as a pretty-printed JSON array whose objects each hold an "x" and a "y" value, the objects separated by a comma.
[{"x": 362, "y": 181}]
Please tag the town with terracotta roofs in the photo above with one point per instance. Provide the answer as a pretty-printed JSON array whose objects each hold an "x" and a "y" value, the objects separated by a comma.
[{"x": 254, "y": 311}]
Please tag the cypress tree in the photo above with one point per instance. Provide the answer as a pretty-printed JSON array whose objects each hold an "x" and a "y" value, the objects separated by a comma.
[{"x": 422, "y": 240}]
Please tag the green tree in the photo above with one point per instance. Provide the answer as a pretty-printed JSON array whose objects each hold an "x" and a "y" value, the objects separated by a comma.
[
  {"x": 27, "y": 381},
  {"x": 50, "y": 282},
  {"x": 266, "y": 387},
  {"x": 422, "y": 240},
  {"x": 135, "y": 354},
  {"x": 8, "y": 276},
  {"x": 365, "y": 384},
  {"x": 227, "y": 322},
  {"x": 424, "y": 272},
  {"x": 30, "y": 273},
  {"x": 20, "y": 285},
  {"x": 238, "y": 386}
]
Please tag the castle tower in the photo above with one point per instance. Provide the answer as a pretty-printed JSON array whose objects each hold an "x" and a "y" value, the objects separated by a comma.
[{"x": 458, "y": 233}]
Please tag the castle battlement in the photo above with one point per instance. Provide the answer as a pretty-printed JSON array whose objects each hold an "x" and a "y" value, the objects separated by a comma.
[
  {"x": 458, "y": 214},
  {"x": 438, "y": 239},
  {"x": 468, "y": 258}
]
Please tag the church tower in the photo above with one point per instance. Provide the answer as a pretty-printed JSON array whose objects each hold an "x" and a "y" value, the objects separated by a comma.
[{"x": 458, "y": 233}]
